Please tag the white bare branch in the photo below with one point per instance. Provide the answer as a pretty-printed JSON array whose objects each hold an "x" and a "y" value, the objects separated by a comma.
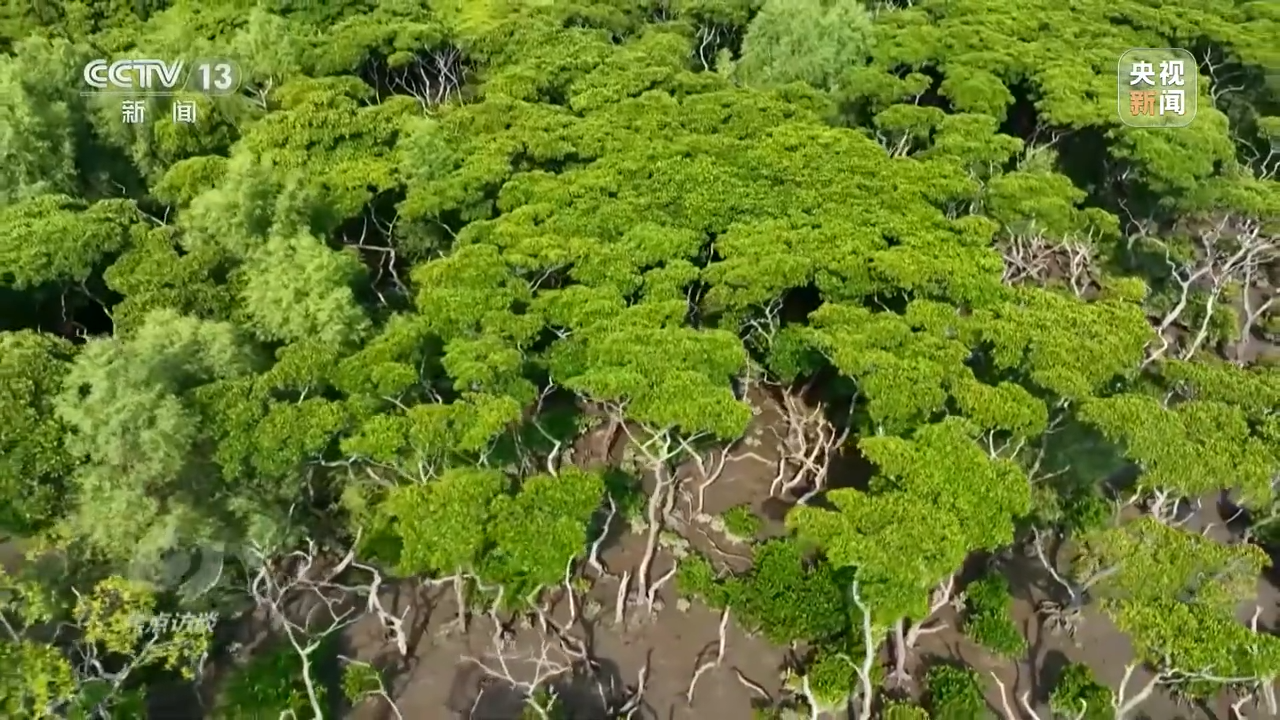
[
  {"x": 866, "y": 689},
  {"x": 712, "y": 662},
  {"x": 1124, "y": 707},
  {"x": 807, "y": 448},
  {"x": 528, "y": 674},
  {"x": 1229, "y": 251},
  {"x": 378, "y": 692},
  {"x": 286, "y": 586}
]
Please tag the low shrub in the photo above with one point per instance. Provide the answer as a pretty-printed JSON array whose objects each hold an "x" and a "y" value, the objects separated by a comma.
[
  {"x": 989, "y": 617},
  {"x": 786, "y": 596},
  {"x": 1077, "y": 691},
  {"x": 741, "y": 522},
  {"x": 269, "y": 686},
  {"x": 954, "y": 693},
  {"x": 904, "y": 711}
]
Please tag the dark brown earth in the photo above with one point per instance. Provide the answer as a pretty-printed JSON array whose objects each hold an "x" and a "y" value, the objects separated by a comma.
[
  {"x": 449, "y": 674},
  {"x": 445, "y": 668}
]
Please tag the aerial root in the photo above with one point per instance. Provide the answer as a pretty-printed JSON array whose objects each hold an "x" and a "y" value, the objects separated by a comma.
[
  {"x": 752, "y": 685},
  {"x": 545, "y": 670},
  {"x": 569, "y": 593},
  {"x": 593, "y": 556},
  {"x": 635, "y": 697},
  {"x": 620, "y": 602},
  {"x": 807, "y": 448},
  {"x": 713, "y": 662},
  {"x": 652, "y": 597},
  {"x": 393, "y": 625},
  {"x": 1008, "y": 706}
]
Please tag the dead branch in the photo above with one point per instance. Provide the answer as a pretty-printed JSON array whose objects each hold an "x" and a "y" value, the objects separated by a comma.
[
  {"x": 938, "y": 599},
  {"x": 1009, "y": 714},
  {"x": 1033, "y": 257},
  {"x": 380, "y": 691},
  {"x": 652, "y": 597},
  {"x": 658, "y": 451},
  {"x": 1230, "y": 251},
  {"x": 635, "y": 699},
  {"x": 392, "y": 624},
  {"x": 569, "y": 592},
  {"x": 904, "y": 641},
  {"x": 708, "y": 471},
  {"x": 458, "y": 583},
  {"x": 709, "y": 37},
  {"x": 1251, "y": 314},
  {"x": 284, "y": 582},
  {"x": 809, "y": 445},
  {"x": 1025, "y": 700},
  {"x": 806, "y": 691},
  {"x": 544, "y": 670}
]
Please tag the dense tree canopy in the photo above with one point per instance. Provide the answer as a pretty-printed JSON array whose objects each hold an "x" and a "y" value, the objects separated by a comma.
[{"x": 375, "y": 309}]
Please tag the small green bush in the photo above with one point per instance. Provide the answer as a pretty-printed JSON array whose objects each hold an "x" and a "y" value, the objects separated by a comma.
[
  {"x": 696, "y": 578},
  {"x": 989, "y": 617},
  {"x": 1077, "y": 690},
  {"x": 785, "y": 596},
  {"x": 954, "y": 693},
  {"x": 904, "y": 711},
  {"x": 741, "y": 522},
  {"x": 267, "y": 687},
  {"x": 831, "y": 678}
]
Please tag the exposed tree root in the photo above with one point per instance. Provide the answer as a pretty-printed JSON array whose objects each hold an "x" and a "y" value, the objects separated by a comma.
[
  {"x": 807, "y": 447},
  {"x": 713, "y": 662}
]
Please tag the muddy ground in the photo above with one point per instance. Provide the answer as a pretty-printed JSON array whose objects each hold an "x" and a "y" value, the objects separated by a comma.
[{"x": 448, "y": 674}]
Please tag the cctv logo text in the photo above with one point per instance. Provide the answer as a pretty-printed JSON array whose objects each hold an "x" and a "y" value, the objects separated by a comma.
[{"x": 156, "y": 75}]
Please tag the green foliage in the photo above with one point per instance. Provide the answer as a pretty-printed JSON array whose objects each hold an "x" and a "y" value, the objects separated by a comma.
[
  {"x": 38, "y": 118},
  {"x": 55, "y": 238},
  {"x": 1172, "y": 591},
  {"x": 322, "y": 129},
  {"x": 1192, "y": 448},
  {"x": 297, "y": 289},
  {"x": 1040, "y": 331},
  {"x": 1077, "y": 691},
  {"x": 904, "y": 711},
  {"x": 469, "y": 520},
  {"x": 786, "y": 595},
  {"x": 345, "y": 301},
  {"x": 939, "y": 479},
  {"x": 831, "y": 678},
  {"x": 33, "y": 460},
  {"x": 269, "y": 684},
  {"x": 742, "y": 522},
  {"x": 135, "y": 429},
  {"x": 38, "y": 679},
  {"x": 988, "y": 616},
  {"x": 35, "y": 677},
  {"x": 814, "y": 41},
  {"x": 359, "y": 680},
  {"x": 954, "y": 693},
  {"x": 1154, "y": 561}
]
